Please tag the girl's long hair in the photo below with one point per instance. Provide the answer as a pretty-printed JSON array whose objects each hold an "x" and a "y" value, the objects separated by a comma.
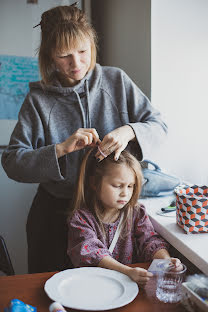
[{"x": 89, "y": 186}]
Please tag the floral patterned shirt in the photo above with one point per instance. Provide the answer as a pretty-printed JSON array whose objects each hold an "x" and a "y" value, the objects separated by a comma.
[{"x": 87, "y": 244}]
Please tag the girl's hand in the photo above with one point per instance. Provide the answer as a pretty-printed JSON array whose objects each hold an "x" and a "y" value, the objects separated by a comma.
[
  {"x": 139, "y": 275},
  {"x": 115, "y": 141},
  {"x": 78, "y": 140},
  {"x": 177, "y": 264}
]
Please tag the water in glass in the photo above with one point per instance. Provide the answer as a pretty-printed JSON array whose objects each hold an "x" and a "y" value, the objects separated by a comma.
[{"x": 169, "y": 285}]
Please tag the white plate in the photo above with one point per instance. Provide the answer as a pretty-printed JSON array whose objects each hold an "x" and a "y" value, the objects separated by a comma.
[{"x": 91, "y": 288}]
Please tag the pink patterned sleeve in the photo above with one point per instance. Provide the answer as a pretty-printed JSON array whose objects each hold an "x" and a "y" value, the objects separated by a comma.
[
  {"x": 148, "y": 241},
  {"x": 86, "y": 245}
]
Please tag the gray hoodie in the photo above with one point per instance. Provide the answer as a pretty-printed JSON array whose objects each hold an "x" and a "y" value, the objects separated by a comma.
[{"x": 105, "y": 99}]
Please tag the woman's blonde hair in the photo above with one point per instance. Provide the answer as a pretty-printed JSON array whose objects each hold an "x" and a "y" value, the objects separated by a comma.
[
  {"x": 89, "y": 186},
  {"x": 62, "y": 28}
]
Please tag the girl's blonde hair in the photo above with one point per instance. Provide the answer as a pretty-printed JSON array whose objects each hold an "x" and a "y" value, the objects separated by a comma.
[
  {"x": 62, "y": 28},
  {"x": 89, "y": 186}
]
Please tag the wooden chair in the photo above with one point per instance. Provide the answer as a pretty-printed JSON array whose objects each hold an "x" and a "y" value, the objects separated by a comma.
[{"x": 5, "y": 261}]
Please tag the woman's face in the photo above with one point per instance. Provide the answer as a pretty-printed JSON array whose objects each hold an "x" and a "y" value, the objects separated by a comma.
[{"x": 74, "y": 64}]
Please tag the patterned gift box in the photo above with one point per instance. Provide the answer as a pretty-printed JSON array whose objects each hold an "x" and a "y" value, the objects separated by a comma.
[{"x": 192, "y": 208}]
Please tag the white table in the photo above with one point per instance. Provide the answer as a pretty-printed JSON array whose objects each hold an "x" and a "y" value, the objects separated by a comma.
[{"x": 193, "y": 246}]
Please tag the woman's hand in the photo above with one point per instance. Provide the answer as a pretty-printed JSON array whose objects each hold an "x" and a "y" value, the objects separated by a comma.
[
  {"x": 139, "y": 275},
  {"x": 115, "y": 141},
  {"x": 78, "y": 140}
]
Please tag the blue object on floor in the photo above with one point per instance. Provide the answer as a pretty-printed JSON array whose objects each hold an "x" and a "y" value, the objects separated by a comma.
[
  {"x": 157, "y": 183},
  {"x": 17, "y": 305}
]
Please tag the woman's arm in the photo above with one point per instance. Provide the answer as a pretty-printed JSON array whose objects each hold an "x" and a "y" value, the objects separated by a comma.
[
  {"x": 30, "y": 156},
  {"x": 27, "y": 158},
  {"x": 144, "y": 125},
  {"x": 145, "y": 119}
]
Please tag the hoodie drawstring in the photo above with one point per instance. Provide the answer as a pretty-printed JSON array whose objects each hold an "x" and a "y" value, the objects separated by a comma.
[
  {"x": 81, "y": 108},
  {"x": 86, "y": 121},
  {"x": 88, "y": 101}
]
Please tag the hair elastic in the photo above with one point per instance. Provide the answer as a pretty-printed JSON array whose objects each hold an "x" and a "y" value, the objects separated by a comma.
[{"x": 103, "y": 154}]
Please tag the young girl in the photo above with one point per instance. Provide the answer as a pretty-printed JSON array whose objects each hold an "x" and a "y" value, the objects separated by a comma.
[{"x": 106, "y": 202}]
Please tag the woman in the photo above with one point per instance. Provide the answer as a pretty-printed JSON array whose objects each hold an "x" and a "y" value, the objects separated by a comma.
[{"x": 77, "y": 104}]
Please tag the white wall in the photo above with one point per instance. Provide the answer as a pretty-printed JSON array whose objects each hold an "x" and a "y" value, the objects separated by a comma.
[
  {"x": 17, "y": 37},
  {"x": 179, "y": 49}
]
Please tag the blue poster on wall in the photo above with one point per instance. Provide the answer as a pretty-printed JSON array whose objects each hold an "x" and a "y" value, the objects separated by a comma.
[{"x": 15, "y": 74}]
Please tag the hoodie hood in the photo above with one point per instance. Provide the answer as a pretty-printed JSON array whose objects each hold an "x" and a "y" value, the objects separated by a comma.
[
  {"x": 88, "y": 85},
  {"x": 93, "y": 79}
]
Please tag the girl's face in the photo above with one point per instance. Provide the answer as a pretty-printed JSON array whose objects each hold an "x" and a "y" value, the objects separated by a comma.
[
  {"x": 74, "y": 63},
  {"x": 117, "y": 187}
]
